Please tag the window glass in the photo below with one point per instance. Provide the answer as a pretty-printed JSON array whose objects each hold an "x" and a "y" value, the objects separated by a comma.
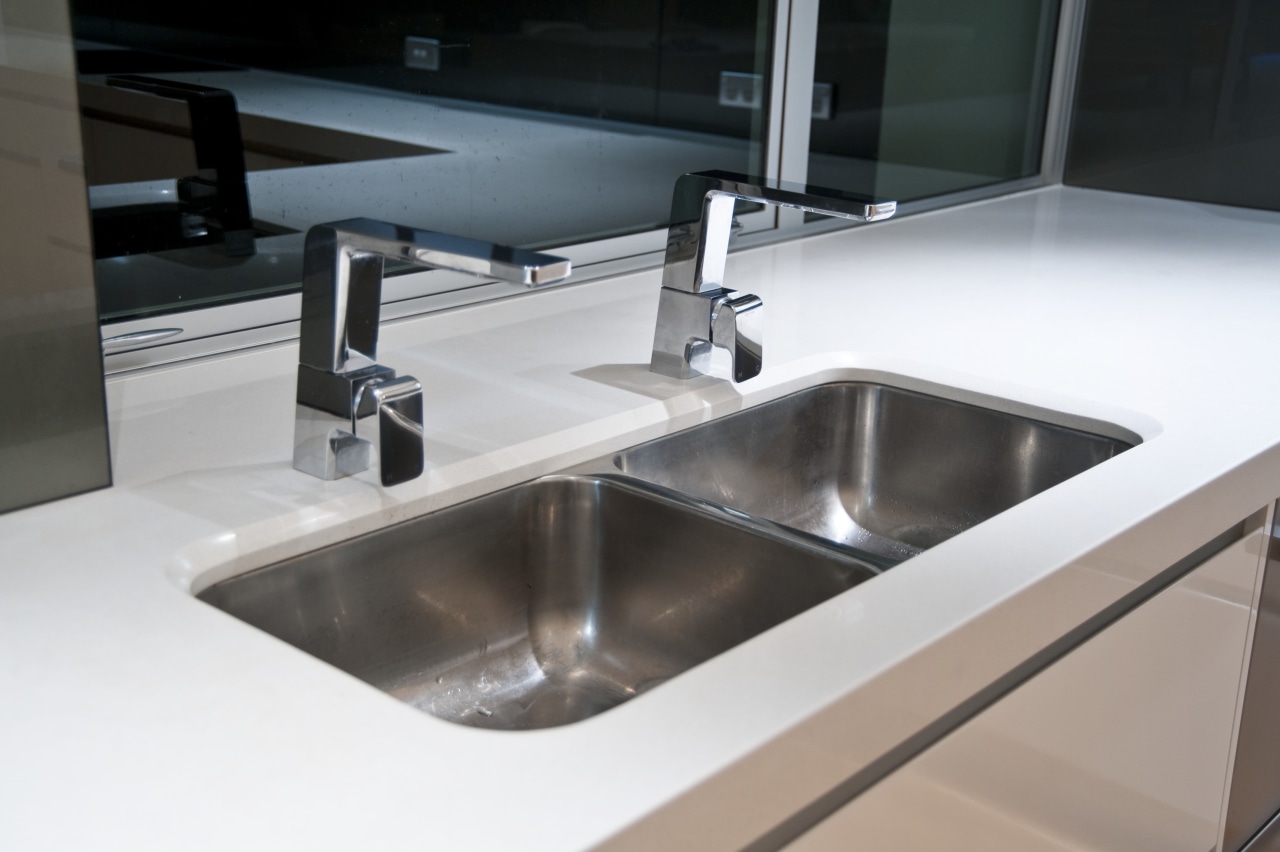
[
  {"x": 916, "y": 98},
  {"x": 1180, "y": 99},
  {"x": 536, "y": 124}
]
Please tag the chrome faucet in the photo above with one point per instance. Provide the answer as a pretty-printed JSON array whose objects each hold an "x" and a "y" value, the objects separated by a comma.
[
  {"x": 695, "y": 311},
  {"x": 340, "y": 382}
]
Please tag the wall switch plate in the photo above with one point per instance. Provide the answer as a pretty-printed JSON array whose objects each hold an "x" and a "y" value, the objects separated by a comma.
[
  {"x": 745, "y": 91},
  {"x": 824, "y": 100},
  {"x": 422, "y": 53}
]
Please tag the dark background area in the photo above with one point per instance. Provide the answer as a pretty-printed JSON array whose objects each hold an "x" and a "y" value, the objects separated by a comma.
[
  {"x": 653, "y": 62},
  {"x": 853, "y": 47},
  {"x": 1180, "y": 98}
]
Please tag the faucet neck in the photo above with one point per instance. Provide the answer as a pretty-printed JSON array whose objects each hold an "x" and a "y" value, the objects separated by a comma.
[
  {"x": 339, "y": 381},
  {"x": 702, "y": 220},
  {"x": 342, "y": 281},
  {"x": 341, "y": 300}
]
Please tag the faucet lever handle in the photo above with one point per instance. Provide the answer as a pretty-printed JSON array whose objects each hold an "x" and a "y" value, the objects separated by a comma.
[
  {"x": 737, "y": 324},
  {"x": 400, "y": 448}
]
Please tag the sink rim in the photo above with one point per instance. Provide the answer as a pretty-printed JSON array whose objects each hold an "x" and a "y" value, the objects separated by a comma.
[
  {"x": 362, "y": 509},
  {"x": 982, "y": 404},
  {"x": 699, "y": 510},
  {"x": 357, "y": 605}
]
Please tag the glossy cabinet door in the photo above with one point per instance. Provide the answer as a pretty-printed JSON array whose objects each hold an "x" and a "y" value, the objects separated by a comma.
[
  {"x": 1123, "y": 744},
  {"x": 1251, "y": 820}
]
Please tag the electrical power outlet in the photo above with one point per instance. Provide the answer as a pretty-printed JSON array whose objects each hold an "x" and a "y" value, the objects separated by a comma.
[
  {"x": 745, "y": 91},
  {"x": 422, "y": 53}
]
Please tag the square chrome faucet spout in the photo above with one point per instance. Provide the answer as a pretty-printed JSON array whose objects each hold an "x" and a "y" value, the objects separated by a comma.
[
  {"x": 695, "y": 310},
  {"x": 340, "y": 382}
]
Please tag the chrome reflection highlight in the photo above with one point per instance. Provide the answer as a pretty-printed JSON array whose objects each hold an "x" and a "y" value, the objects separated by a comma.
[
  {"x": 337, "y": 348},
  {"x": 695, "y": 311}
]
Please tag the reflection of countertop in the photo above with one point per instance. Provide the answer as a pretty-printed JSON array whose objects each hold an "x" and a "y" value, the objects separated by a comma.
[
  {"x": 511, "y": 176},
  {"x": 508, "y": 175},
  {"x": 137, "y": 717}
]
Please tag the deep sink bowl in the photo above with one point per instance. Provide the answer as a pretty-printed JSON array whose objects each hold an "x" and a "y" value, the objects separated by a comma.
[
  {"x": 539, "y": 605},
  {"x": 555, "y": 600},
  {"x": 870, "y": 467}
]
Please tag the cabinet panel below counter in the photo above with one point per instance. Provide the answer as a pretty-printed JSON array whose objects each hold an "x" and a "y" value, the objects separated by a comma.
[{"x": 1123, "y": 744}]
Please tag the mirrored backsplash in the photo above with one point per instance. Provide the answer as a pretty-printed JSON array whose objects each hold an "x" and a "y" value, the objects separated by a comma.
[
  {"x": 213, "y": 142},
  {"x": 918, "y": 98}
]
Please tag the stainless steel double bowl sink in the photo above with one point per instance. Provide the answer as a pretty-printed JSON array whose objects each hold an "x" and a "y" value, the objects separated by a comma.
[{"x": 552, "y": 601}]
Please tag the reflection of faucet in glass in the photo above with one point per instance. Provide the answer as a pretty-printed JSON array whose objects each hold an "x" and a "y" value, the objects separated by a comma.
[
  {"x": 695, "y": 311},
  {"x": 339, "y": 381},
  {"x": 216, "y": 200}
]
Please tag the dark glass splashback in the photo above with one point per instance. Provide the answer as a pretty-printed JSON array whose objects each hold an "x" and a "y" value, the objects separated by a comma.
[
  {"x": 536, "y": 123},
  {"x": 917, "y": 98},
  {"x": 653, "y": 62},
  {"x": 1180, "y": 98}
]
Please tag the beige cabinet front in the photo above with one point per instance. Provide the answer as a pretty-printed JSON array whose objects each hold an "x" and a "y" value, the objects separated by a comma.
[{"x": 1123, "y": 744}]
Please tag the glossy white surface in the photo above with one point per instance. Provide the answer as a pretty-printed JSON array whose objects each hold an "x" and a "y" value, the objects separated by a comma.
[
  {"x": 1122, "y": 744},
  {"x": 137, "y": 717}
]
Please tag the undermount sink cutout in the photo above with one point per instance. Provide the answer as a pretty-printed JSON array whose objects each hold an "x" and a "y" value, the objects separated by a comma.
[
  {"x": 872, "y": 467},
  {"x": 540, "y": 605},
  {"x": 552, "y": 601}
]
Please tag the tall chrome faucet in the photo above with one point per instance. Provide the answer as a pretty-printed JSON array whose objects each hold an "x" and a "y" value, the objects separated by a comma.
[
  {"x": 695, "y": 310},
  {"x": 340, "y": 382}
]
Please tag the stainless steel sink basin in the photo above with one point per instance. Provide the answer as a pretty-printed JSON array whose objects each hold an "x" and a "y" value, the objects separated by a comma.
[
  {"x": 539, "y": 605},
  {"x": 555, "y": 600},
  {"x": 867, "y": 466}
]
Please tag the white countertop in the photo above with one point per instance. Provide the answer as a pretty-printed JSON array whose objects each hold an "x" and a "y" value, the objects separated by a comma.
[{"x": 136, "y": 717}]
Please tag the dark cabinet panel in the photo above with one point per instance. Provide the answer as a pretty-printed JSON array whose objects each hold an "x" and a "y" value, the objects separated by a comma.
[{"x": 53, "y": 430}]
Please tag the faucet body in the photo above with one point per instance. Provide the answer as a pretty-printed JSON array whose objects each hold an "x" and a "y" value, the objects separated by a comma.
[
  {"x": 341, "y": 387},
  {"x": 695, "y": 310}
]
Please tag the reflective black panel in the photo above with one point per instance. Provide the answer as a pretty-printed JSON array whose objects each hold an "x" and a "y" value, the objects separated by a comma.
[
  {"x": 1180, "y": 99},
  {"x": 916, "y": 98},
  {"x": 527, "y": 123}
]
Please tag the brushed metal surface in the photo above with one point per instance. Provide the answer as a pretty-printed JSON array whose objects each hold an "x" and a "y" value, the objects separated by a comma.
[
  {"x": 53, "y": 440},
  {"x": 552, "y": 601},
  {"x": 540, "y": 605},
  {"x": 877, "y": 468}
]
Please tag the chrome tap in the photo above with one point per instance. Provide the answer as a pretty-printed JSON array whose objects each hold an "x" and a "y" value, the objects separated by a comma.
[
  {"x": 695, "y": 311},
  {"x": 340, "y": 382}
]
